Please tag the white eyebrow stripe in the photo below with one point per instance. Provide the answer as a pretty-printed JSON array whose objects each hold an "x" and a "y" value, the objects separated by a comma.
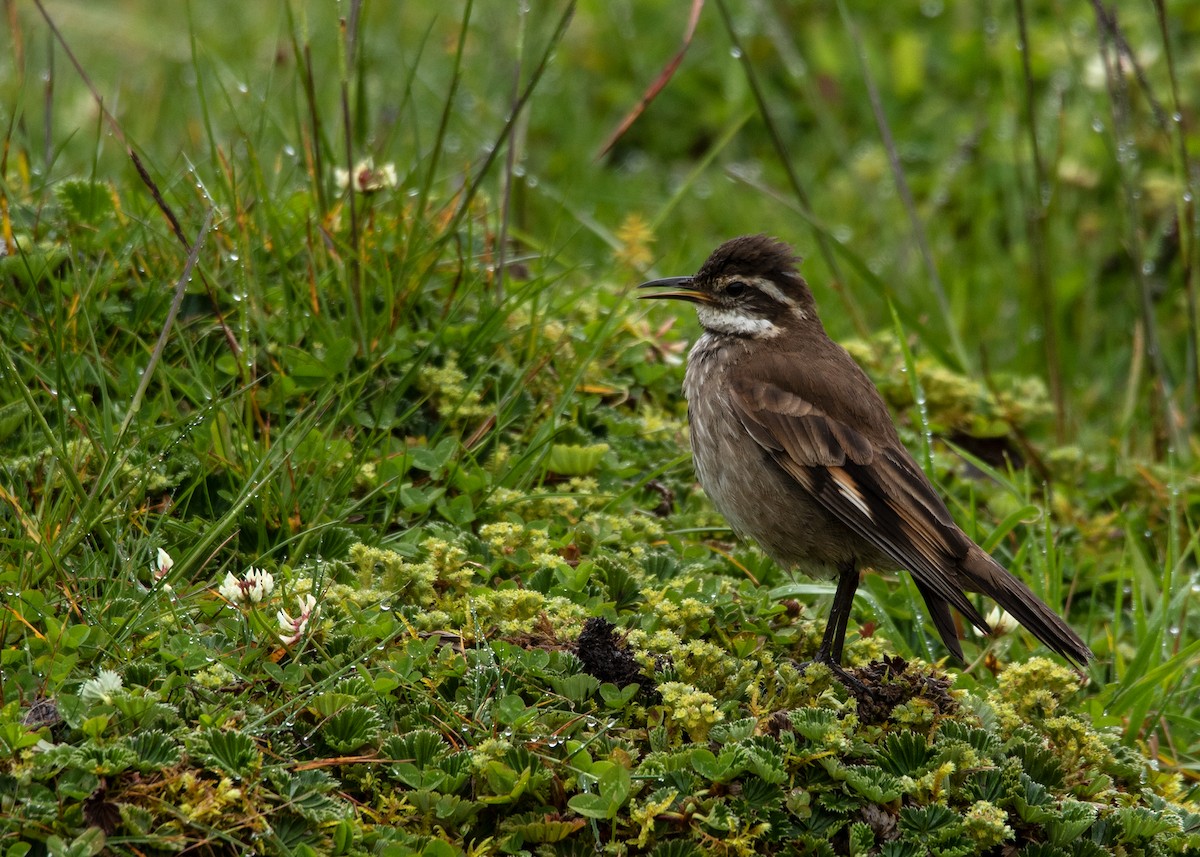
[{"x": 773, "y": 290}]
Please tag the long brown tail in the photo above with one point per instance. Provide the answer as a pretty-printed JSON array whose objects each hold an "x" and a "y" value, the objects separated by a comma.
[{"x": 983, "y": 574}]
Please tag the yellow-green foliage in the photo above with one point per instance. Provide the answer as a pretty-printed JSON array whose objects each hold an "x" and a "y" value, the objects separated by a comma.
[
  {"x": 1036, "y": 688},
  {"x": 986, "y": 824},
  {"x": 415, "y": 583},
  {"x": 449, "y": 393},
  {"x": 692, "y": 709}
]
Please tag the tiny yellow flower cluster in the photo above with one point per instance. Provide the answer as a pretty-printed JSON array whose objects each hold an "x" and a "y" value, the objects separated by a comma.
[
  {"x": 863, "y": 650},
  {"x": 448, "y": 561},
  {"x": 986, "y": 825},
  {"x": 449, "y": 392},
  {"x": 199, "y": 800},
  {"x": 698, "y": 661},
  {"x": 505, "y": 539},
  {"x": 360, "y": 596},
  {"x": 510, "y": 610},
  {"x": 214, "y": 676},
  {"x": 1032, "y": 690},
  {"x": 414, "y": 582},
  {"x": 686, "y": 613},
  {"x": 694, "y": 710},
  {"x": 1076, "y": 745},
  {"x": 635, "y": 236},
  {"x": 929, "y": 786},
  {"x": 917, "y": 713},
  {"x": 488, "y": 750},
  {"x": 655, "y": 421}
]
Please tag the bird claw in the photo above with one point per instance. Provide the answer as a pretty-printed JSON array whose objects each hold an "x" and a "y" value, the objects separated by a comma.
[{"x": 843, "y": 675}]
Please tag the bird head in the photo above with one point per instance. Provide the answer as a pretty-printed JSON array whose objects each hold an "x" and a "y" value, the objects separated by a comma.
[{"x": 748, "y": 287}]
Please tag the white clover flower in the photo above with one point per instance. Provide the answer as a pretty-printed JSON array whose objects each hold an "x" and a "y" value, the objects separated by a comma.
[
  {"x": 294, "y": 628},
  {"x": 366, "y": 177},
  {"x": 1000, "y": 622},
  {"x": 162, "y": 564},
  {"x": 102, "y": 688},
  {"x": 260, "y": 584},
  {"x": 255, "y": 585},
  {"x": 230, "y": 590}
]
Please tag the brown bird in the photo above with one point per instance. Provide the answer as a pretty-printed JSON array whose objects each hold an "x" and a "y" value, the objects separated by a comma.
[{"x": 796, "y": 448}]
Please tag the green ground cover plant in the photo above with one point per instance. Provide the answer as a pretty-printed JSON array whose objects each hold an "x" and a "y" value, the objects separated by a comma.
[{"x": 345, "y": 502}]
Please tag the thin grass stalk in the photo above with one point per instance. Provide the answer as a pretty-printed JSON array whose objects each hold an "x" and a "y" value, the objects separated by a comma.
[
  {"x": 1189, "y": 233},
  {"x": 698, "y": 170},
  {"x": 910, "y": 206},
  {"x": 185, "y": 277},
  {"x": 354, "y": 263},
  {"x": 1111, "y": 51},
  {"x": 439, "y": 140},
  {"x": 303, "y": 57},
  {"x": 824, "y": 244},
  {"x": 48, "y": 104},
  {"x": 510, "y": 158},
  {"x": 468, "y": 195},
  {"x": 1036, "y": 216}
]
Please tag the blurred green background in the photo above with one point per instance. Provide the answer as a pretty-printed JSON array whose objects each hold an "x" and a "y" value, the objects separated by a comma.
[{"x": 1062, "y": 278}]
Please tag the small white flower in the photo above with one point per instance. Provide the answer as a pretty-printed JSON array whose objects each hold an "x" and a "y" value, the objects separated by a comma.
[
  {"x": 366, "y": 177},
  {"x": 162, "y": 564},
  {"x": 255, "y": 585},
  {"x": 230, "y": 590},
  {"x": 102, "y": 688},
  {"x": 294, "y": 628},
  {"x": 1001, "y": 622},
  {"x": 259, "y": 583}
]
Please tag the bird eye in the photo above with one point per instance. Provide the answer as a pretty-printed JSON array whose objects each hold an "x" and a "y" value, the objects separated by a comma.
[{"x": 736, "y": 289}]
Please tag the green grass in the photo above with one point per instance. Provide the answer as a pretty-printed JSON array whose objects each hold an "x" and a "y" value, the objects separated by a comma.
[{"x": 436, "y": 409}]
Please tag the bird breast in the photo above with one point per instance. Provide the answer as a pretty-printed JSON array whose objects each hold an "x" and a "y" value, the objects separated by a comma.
[{"x": 754, "y": 494}]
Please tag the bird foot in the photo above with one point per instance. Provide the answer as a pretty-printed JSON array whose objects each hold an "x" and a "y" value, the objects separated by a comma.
[{"x": 843, "y": 675}]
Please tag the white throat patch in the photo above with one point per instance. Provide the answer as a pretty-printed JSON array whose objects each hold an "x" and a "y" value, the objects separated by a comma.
[{"x": 735, "y": 323}]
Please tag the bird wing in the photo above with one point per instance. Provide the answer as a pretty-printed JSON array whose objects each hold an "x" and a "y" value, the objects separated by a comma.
[{"x": 871, "y": 484}]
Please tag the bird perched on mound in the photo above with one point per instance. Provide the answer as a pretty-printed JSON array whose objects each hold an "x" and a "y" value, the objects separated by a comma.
[{"x": 796, "y": 448}]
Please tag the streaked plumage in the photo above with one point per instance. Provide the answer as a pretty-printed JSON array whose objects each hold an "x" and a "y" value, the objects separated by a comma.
[{"x": 796, "y": 448}]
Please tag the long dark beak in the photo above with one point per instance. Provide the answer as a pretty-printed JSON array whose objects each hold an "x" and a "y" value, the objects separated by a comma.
[{"x": 680, "y": 290}]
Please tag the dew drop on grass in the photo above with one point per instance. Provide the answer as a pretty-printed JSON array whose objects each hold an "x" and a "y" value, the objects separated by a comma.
[{"x": 736, "y": 53}]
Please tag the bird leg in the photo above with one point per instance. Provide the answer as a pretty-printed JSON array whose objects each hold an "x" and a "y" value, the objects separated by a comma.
[{"x": 829, "y": 652}]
